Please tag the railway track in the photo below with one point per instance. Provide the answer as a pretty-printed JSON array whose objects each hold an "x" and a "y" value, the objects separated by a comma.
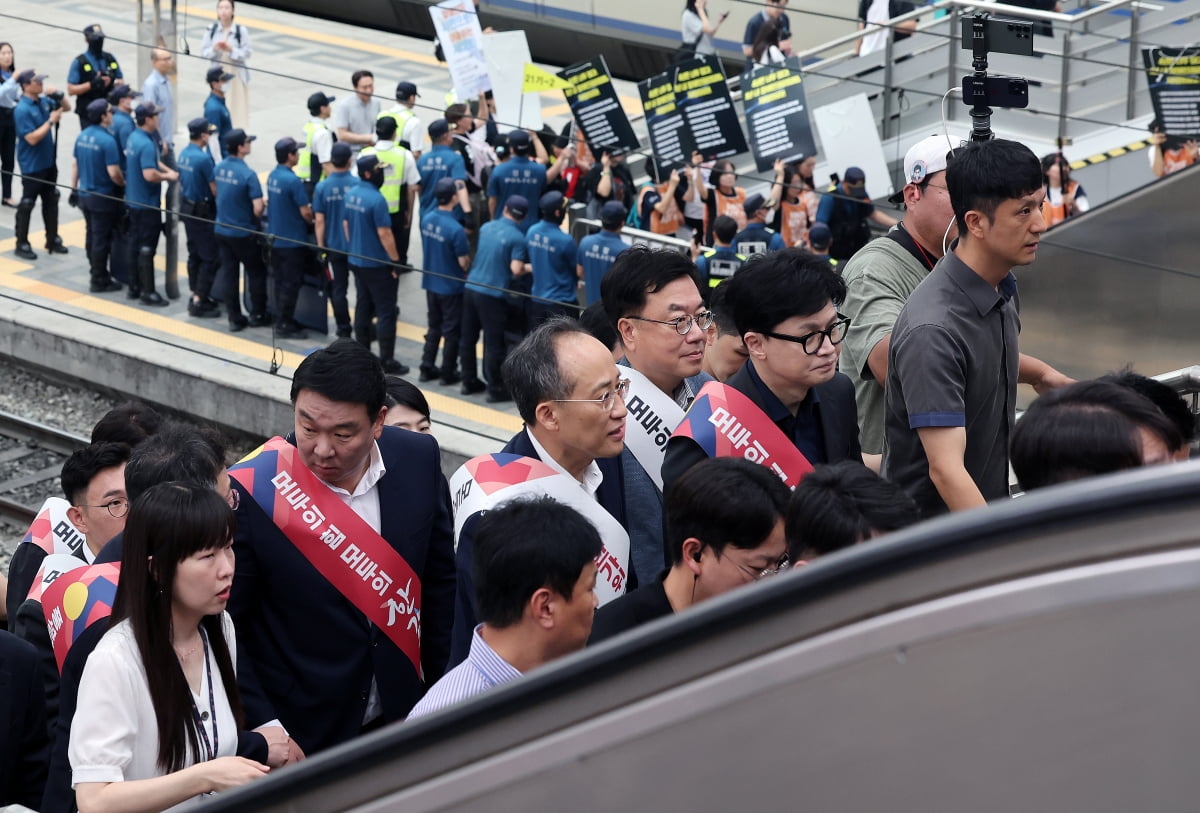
[{"x": 31, "y": 459}]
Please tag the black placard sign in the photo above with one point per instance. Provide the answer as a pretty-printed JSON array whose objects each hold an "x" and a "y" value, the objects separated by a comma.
[
  {"x": 1174, "y": 77},
  {"x": 670, "y": 139},
  {"x": 777, "y": 114},
  {"x": 708, "y": 111},
  {"x": 595, "y": 106}
]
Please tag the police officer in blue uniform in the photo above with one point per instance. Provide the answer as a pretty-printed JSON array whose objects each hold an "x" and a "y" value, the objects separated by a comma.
[
  {"x": 372, "y": 254},
  {"x": 757, "y": 237},
  {"x": 36, "y": 120},
  {"x": 519, "y": 175},
  {"x": 553, "y": 257},
  {"x": 290, "y": 215},
  {"x": 239, "y": 207},
  {"x": 198, "y": 206},
  {"x": 597, "y": 252},
  {"x": 442, "y": 161},
  {"x": 93, "y": 74},
  {"x": 145, "y": 173},
  {"x": 215, "y": 109},
  {"x": 95, "y": 177},
  {"x": 720, "y": 262},
  {"x": 447, "y": 255},
  {"x": 328, "y": 213}
]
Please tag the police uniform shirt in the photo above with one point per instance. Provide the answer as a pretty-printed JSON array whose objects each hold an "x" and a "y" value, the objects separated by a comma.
[
  {"x": 552, "y": 253},
  {"x": 218, "y": 114},
  {"x": 756, "y": 238},
  {"x": 329, "y": 201},
  {"x": 196, "y": 172},
  {"x": 237, "y": 189},
  {"x": 85, "y": 66},
  {"x": 286, "y": 195},
  {"x": 141, "y": 153},
  {"x": 366, "y": 212},
  {"x": 718, "y": 264},
  {"x": 29, "y": 115},
  {"x": 96, "y": 151},
  {"x": 519, "y": 175},
  {"x": 597, "y": 252},
  {"x": 122, "y": 127},
  {"x": 500, "y": 242},
  {"x": 440, "y": 162},
  {"x": 443, "y": 241}
]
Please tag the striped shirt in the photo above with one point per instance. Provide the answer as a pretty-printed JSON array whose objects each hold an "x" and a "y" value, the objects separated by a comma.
[{"x": 482, "y": 670}]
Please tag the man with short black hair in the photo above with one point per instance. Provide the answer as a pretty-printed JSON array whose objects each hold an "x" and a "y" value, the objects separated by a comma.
[
  {"x": 447, "y": 261},
  {"x": 366, "y": 640},
  {"x": 535, "y": 579},
  {"x": 239, "y": 207},
  {"x": 954, "y": 361},
  {"x": 841, "y": 504},
  {"x": 597, "y": 252},
  {"x": 314, "y": 162},
  {"x": 35, "y": 118},
  {"x": 145, "y": 173},
  {"x": 845, "y": 209},
  {"x": 552, "y": 260},
  {"x": 328, "y": 213},
  {"x": 442, "y": 161},
  {"x": 725, "y": 353},
  {"x": 408, "y": 126},
  {"x": 291, "y": 215},
  {"x": 97, "y": 170},
  {"x": 789, "y": 396},
  {"x": 724, "y": 530},
  {"x": 501, "y": 256},
  {"x": 757, "y": 237},
  {"x": 401, "y": 182},
  {"x": 773, "y": 10},
  {"x": 216, "y": 110},
  {"x": 721, "y": 261},
  {"x": 519, "y": 175},
  {"x": 609, "y": 181},
  {"x": 354, "y": 116},
  {"x": 653, "y": 300},
  {"x": 198, "y": 205}
]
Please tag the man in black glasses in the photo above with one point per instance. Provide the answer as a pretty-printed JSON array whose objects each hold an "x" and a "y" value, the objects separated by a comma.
[
  {"x": 571, "y": 397},
  {"x": 788, "y": 408}
]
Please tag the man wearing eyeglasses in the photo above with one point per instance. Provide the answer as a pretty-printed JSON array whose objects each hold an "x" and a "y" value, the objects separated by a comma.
[
  {"x": 724, "y": 530},
  {"x": 571, "y": 397},
  {"x": 790, "y": 408}
]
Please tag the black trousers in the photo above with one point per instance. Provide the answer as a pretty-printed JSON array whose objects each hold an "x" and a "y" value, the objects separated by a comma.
[
  {"x": 339, "y": 287},
  {"x": 400, "y": 234},
  {"x": 288, "y": 264},
  {"x": 101, "y": 216},
  {"x": 489, "y": 314},
  {"x": 8, "y": 150},
  {"x": 41, "y": 184},
  {"x": 203, "y": 256},
  {"x": 146, "y": 228},
  {"x": 375, "y": 290},
  {"x": 443, "y": 318},
  {"x": 236, "y": 252}
]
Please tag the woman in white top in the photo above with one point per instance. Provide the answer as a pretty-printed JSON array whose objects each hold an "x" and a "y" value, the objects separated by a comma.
[
  {"x": 765, "y": 49},
  {"x": 697, "y": 30},
  {"x": 159, "y": 711},
  {"x": 227, "y": 45}
]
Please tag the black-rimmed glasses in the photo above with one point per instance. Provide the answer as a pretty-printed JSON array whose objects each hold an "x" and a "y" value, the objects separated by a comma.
[
  {"x": 116, "y": 508},
  {"x": 783, "y": 564},
  {"x": 811, "y": 342},
  {"x": 605, "y": 401},
  {"x": 682, "y": 324}
]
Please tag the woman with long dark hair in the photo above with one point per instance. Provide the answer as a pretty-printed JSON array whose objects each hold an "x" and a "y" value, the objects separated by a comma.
[
  {"x": 1064, "y": 198},
  {"x": 10, "y": 94},
  {"x": 697, "y": 29},
  {"x": 765, "y": 50},
  {"x": 159, "y": 710},
  {"x": 407, "y": 406}
]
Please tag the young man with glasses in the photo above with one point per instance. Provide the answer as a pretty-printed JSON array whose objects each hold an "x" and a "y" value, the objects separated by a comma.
[
  {"x": 571, "y": 397},
  {"x": 953, "y": 360},
  {"x": 724, "y": 530},
  {"x": 653, "y": 300},
  {"x": 788, "y": 408}
]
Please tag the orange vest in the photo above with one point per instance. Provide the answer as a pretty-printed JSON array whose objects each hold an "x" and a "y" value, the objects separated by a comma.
[
  {"x": 1057, "y": 214},
  {"x": 667, "y": 222},
  {"x": 1175, "y": 160},
  {"x": 729, "y": 206},
  {"x": 794, "y": 222}
]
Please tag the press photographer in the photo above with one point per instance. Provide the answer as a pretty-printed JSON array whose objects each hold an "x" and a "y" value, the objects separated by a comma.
[{"x": 35, "y": 117}]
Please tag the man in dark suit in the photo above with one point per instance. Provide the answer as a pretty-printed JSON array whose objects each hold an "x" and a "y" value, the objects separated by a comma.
[
  {"x": 571, "y": 397},
  {"x": 785, "y": 307},
  {"x": 328, "y": 672},
  {"x": 24, "y": 746}
]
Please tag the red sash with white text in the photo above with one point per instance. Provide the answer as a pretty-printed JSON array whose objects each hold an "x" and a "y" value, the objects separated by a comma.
[
  {"x": 343, "y": 548},
  {"x": 53, "y": 532},
  {"x": 76, "y": 600},
  {"x": 725, "y": 423}
]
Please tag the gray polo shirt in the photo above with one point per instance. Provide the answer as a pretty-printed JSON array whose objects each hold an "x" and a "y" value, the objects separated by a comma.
[
  {"x": 351, "y": 113},
  {"x": 953, "y": 362}
]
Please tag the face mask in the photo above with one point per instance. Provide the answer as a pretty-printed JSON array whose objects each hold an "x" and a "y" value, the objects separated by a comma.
[
  {"x": 224, "y": 87},
  {"x": 96, "y": 45}
]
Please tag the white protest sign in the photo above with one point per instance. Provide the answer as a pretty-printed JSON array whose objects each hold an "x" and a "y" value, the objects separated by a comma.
[
  {"x": 457, "y": 28},
  {"x": 507, "y": 55}
]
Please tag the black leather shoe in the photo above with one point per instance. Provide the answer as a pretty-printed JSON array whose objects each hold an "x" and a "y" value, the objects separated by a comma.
[
  {"x": 106, "y": 287},
  {"x": 259, "y": 320},
  {"x": 237, "y": 324},
  {"x": 473, "y": 387},
  {"x": 56, "y": 247},
  {"x": 450, "y": 379},
  {"x": 25, "y": 251},
  {"x": 427, "y": 375},
  {"x": 291, "y": 331},
  {"x": 133, "y": 292},
  {"x": 344, "y": 332},
  {"x": 395, "y": 368},
  {"x": 203, "y": 310},
  {"x": 153, "y": 298}
]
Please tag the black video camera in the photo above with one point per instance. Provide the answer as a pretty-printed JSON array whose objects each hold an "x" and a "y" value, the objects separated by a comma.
[{"x": 55, "y": 98}]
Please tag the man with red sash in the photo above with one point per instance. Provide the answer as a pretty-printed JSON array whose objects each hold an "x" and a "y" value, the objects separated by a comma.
[
  {"x": 570, "y": 395},
  {"x": 788, "y": 408},
  {"x": 653, "y": 300},
  {"x": 344, "y": 587}
]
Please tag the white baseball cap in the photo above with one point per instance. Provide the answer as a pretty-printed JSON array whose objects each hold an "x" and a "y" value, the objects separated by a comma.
[{"x": 923, "y": 159}]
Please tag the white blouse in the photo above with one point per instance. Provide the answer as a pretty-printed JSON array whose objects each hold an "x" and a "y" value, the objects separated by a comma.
[{"x": 114, "y": 734}]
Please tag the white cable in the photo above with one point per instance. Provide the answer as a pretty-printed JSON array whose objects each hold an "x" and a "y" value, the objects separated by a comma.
[{"x": 945, "y": 125}]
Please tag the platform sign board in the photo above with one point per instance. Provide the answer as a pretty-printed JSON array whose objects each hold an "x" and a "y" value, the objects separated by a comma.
[
  {"x": 670, "y": 138},
  {"x": 703, "y": 96},
  {"x": 777, "y": 114},
  {"x": 596, "y": 107},
  {"x": 1174, "y": 78},
  {"x": 456, "y": 24}
]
